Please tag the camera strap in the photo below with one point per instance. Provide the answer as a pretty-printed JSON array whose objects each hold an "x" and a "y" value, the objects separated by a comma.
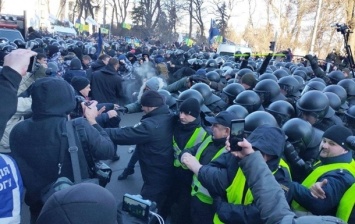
[{"x": 73, "y": 150}]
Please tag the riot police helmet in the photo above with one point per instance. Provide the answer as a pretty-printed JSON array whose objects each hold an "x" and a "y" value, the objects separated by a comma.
[
  {"x": 281, "y": 110},
  {"x": 248, "y": 99}
]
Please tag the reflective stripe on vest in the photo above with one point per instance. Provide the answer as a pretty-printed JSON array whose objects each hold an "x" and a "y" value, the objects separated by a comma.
[
  {"x": 346, "y": 204},
  {"x": 318, "y": 172},
  {"x": 235, "y": 191},
  {"x": 197, "y": 189},
  {"x": 197, "y": 137}
]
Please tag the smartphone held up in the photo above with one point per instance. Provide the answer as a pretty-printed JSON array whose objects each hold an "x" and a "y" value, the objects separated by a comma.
[{"x": 236, "y": 134}]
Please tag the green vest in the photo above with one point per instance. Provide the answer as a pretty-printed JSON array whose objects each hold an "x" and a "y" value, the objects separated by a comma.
[
  {"x": 197, "y": 137},
  {"x": 197, "y": 189},
  {"x": 346, "y": 204},
  {"x": 318, "y": 172},
  {"x": 235, "y": 191}
]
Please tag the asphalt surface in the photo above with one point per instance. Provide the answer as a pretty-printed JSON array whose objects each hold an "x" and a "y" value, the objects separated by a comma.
[{"x": 131, "y": 185}]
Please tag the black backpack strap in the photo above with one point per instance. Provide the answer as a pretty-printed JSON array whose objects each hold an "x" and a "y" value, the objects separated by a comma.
[
  {"x": 83, "y": 141},
  {"x": 73, "y": 150}
]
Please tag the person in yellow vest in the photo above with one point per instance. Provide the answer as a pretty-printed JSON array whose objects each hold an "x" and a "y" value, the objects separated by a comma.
[
  {"x": 334, "y": 174},
  {"x": 187, "y": 133},
  {"x": 233, "y": 200},
  {"x": 202, "y": 210}
]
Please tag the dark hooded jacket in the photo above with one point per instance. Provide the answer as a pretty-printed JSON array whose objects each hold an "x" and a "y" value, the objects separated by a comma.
[
  {"x": 106, "y": 85},
  {"x": 75, "y": 69},
  {"x": 96, "y": 66},
  {"x": 219, "y": 174},
  {"x": 36, "y": 142}
]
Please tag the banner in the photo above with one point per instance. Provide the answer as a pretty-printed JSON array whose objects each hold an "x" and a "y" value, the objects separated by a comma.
[
  {"x": 91, "y": 21},
  {"x": 213, "y": 32},
  {"x": 104, "y": 30},
  {"x": 126, "y": 26}
]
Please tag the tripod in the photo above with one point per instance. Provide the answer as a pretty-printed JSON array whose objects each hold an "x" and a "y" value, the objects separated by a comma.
[{"x": 344, "y": 29}]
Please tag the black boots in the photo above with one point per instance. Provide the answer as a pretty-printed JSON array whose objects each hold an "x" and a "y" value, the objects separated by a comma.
[{"x": 126, "y": 172}]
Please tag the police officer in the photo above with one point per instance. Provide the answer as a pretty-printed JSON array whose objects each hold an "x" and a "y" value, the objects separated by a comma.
[
  {"x": 210, "y": 149},
  {"x": 334, "y": 174}
]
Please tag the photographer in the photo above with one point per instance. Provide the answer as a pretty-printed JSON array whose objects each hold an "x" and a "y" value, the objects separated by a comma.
[{"x": 36, "y": 142}]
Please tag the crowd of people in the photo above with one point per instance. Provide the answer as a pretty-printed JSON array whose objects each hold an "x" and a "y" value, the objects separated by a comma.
[{"x": 299, "y": 118}]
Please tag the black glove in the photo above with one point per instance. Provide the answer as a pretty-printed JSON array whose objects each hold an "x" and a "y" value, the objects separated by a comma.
[
  {"x": 268, "y": 57},
  {"x": 308, "y": 57},
  {"x": 237, "y": 56},
  {"x": 197, "y": 78},
  {"x": 123, "y": 110},
  {"x": 247, "y": 56}
]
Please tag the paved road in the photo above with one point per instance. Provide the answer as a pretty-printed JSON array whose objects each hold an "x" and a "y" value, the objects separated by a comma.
[{"x": 131, "y": 185}]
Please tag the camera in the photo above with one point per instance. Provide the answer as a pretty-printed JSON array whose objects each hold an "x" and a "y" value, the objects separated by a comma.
[
  {"x": 103, "y": 173},
  {"x": 136, "y": 206},
  {"x": 236, "y": 134}
]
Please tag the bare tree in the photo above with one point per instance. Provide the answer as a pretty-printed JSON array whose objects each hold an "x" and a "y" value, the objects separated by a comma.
[{"x": 121, "y": 8}]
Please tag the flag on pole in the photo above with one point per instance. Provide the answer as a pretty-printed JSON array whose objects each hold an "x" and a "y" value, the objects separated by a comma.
[
  {"x": 213, "y": 32},
  {"x": 99, "y": 44},
  {"x": 91, "y": 21},
  {"x": 126, "y": 26}
]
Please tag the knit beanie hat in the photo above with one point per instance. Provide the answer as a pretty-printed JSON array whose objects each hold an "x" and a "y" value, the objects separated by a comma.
[
  {"x": 190, "y": 106},
  {"x": 79, "y": 82},
  {"x": 152, "y": 98},
  {"x": 338, "y": 134},
  {"x": 152, "y": 83},
  {"x": 249, "y": 79}
]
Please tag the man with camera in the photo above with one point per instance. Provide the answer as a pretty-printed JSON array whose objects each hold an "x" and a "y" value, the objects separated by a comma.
[
  {"x": 36, "y": 142},
  {"x": 332, "y": 175}
]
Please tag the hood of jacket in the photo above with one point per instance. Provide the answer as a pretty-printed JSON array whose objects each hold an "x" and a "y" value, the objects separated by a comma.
[
  {"x": 269, "y": 140},
  {"x": 82, "y": 203},
  {"x": 97, "y": 65},
  {"x": 52, "y": 97},
  {"x": 75, "y": 64},
  {"x": 110, "y": 70}
]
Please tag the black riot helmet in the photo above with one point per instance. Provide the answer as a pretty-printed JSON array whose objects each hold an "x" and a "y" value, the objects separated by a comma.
[
  {"x": 281, "y": 110},
  {"x": 340, "y": 91},
  {"x": 348, "y": 85},
  {"x": 169, "y": 99},
  {"x": 290, "y": 85},
  {"x": 268, "y": 90},
  {"x": 248, "y": 99},
  {"x": 213, "y": 76},
  {"x": 268, "y": 76},
  {"x": 211, "y": 63},
  {"x": 190, "y": 93},
  {"x": 239, "y": 111},
  {"x": 350, "y": 117},
  {"x": 334, "y": 100},
  {"x": 298, "y": 132},
  {"x": 336, "y": 76},
  {"x": 313, "y": 85},
  {"x": 233, "y": 89},
  {"x": 300, "y": 73},
  {"x": 258, "y": 118},
  {"x": 301, "y": 82},
  {"x": 279, "y": 73},
  {"x": 20, "y": 43},
  {"x": 203, "y": 89},
  {"x": 314, "y": 103}
]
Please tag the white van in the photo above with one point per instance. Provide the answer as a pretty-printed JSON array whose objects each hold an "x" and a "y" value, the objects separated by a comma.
[
  {"x": 62, "y": 31},
  {"x": 230, "y": 49}
]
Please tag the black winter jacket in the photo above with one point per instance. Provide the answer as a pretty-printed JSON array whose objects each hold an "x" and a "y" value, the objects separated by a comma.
[{"x": 36, "y": 142}]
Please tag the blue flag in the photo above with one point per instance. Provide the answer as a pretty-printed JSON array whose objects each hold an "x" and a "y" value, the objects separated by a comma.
[
  {"x": 99, "y": 44},
  {"x": 213, "y": 31}
]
